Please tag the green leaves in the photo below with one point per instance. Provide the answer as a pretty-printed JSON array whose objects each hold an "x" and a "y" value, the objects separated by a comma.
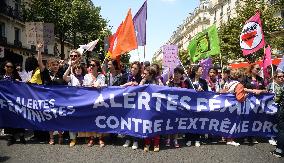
[
  {"x": 229, "y": 33},
  {"x": 77, "y": 21}
]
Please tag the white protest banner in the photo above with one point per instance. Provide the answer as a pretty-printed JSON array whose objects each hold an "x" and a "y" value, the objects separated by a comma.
[
  {"x": 31, "y": 33},
  {"x": 48, "y": 33},
  {"x": 39, "y": 32}
]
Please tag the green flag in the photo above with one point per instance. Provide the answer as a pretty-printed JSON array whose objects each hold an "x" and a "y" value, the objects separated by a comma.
[{"x": 204, "y": 44}]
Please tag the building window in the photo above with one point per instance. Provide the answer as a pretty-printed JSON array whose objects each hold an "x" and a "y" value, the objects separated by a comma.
[
  {"x": 229, "y": 9},
  {"x": 221, "y": 13},
  {"x": 237, "y": 3},
  {"x": 17, "y": 5},
  {"x": 2, "y": 29},
  {"x": 282, "y": 13},
  {"x": 273, "y": 1},
  {"x": 17, "y": 34}
]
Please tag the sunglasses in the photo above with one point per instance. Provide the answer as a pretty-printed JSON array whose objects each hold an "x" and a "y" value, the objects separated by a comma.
[
  {"x": 73, "y": 56},
  {"x": 257, "y": 68},
  {"x": 93, "y": 65},
  {"x": 280, "y": 76},
  {"x": 9, "y": 66}
]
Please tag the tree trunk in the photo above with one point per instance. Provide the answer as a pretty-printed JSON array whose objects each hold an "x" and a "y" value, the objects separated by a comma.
[
  {"x": 74, "y": 40},
  {"x": 62, "y": 55}
]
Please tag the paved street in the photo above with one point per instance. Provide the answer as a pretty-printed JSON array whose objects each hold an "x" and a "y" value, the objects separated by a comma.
[{"x": 32, "y": 152}]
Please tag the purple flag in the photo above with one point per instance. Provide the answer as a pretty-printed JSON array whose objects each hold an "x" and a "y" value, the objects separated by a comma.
[
  {"x": 139, "y": 21},
  {"x": 165, "y": 75},
  {"x": 206, "y": 64},
  {"x": 281, "y": 65}
]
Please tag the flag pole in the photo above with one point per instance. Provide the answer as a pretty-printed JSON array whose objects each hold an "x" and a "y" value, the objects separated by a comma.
[
  {"x": 169, "y": 74},
  {"x": 138, "y": 54},
  {"x": 187, "y": 75},
  {"x": 272, "y": 72},
  {"x": 221, "y": 62},
  {"x": 144, "y": 52}
]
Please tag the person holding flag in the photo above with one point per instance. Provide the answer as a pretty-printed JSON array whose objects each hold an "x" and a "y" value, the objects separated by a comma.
[
  {"x": 176, "y": 81},
  {"x": 199, "y": 84},
  {"x": 279, "y": 151},
  {"x": 253, "y": 83}
]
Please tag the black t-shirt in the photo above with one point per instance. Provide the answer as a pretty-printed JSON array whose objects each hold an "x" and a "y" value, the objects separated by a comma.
[
  {"x": 201, "y": 82},
  {"x": 49, "y": 79},
  {"x": 136, "y": 78},
  {"x": 181, "y": 84},
  {"x": 250, "y": 84}
]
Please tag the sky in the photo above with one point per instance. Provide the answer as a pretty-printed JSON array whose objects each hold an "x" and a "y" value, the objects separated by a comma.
[{"x": 163, "y": 18}]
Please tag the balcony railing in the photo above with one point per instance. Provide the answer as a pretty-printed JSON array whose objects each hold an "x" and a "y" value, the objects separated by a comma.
[
  {"x": 33, "y": 48},
  {"x": 45, "y": 51},
  {"x": 18, "y": 43},
  {"x": 10, "y": 12},
  {"x": 3, "y": 40}
]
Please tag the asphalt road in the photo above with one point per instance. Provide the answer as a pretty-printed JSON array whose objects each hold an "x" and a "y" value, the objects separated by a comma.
[{"x": 36, "y": 152}]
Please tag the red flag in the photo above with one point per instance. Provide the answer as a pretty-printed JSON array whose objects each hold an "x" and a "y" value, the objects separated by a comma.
[
  {"x": 126, "y": 38},
  {"x": 252, "y": 37},
  {"x": 113, "y": 39},
  {"x": 267, "y": 62}
]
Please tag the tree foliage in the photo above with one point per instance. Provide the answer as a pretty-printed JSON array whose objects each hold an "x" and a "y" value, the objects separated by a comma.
[
  {"x": 183, "y": 55},
  {"x": 76, "y": 21},
  {"x": 229, "y": 32}
]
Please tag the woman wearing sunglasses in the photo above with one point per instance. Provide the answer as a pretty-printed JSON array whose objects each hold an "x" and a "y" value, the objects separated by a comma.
[
  {"x": 11, "y": 74},
  {"x": 96, "y": 79},
  {"x": 76, "y": 78},
  {"x": 253, "y": 83}
]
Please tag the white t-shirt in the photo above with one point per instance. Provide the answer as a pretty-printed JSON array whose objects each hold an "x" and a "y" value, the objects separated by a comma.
[
  {"x": 231, "y": 85},
  {"x": 74, "y": 81},
  {"x": 89, "y": 80}
]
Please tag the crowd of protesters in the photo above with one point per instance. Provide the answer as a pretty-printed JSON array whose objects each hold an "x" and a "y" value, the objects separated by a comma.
[{"x": 73, "y": 73}]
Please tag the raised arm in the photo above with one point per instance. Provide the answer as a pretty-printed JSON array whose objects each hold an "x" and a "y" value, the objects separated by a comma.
[
  {"x": 39, "y": 57},
  {"x": 66, "y": 75}
]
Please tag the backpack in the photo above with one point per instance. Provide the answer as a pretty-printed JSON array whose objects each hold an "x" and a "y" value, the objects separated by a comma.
[{"x": 240, "y": 92}]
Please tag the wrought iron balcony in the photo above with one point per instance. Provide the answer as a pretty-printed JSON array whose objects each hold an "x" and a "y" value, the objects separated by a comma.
[
  {"x": 18, "y": 43},
  {"x": 46, "y": 51},
  {"x": 33, "y": 47},
  {"x": 10, "y": 11},
  {"x": 3, "y": 40}
]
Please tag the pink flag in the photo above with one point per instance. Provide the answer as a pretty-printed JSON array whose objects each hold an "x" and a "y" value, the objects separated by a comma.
[
  {"x": 267, "y": 62},
  {"x": 252, "y": 37}
]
